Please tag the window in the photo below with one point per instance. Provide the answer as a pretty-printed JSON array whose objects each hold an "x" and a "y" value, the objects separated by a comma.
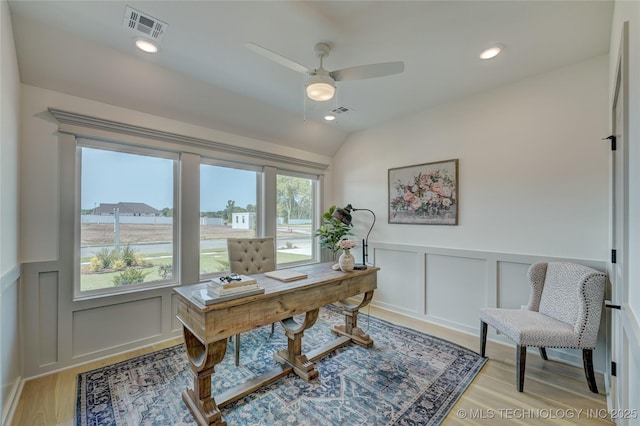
[
  {"x": 127, "y": 231},
  {"x": 226, "y": 211},
  {"x": 120, "y": 221},
  {"x": 296, "y": 203}
]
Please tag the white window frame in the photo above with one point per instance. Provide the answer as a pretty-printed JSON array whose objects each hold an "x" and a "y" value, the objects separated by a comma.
[
  {"x": 125, "y": 149},
  {"x": 259, "y": 185},
  {"x": 190, "y": 151},
  {"x": 316, "y": 190}
]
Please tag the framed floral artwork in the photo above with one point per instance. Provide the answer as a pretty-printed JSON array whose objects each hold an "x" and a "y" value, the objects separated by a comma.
[{"x": 424, "y": 194}]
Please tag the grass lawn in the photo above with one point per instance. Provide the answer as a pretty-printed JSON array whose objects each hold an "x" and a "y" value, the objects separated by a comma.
[{"x": 211, "y": 261}]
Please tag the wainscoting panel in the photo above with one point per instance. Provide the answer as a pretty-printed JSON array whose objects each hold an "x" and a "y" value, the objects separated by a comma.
[
  {"x": 453, "y": 285},
  {"x": 455, "y": 289},
  {"x": 176, "y": 326},
  {"x": 60, "y": 332},
  {"x": 48, "y": 317},
  {"x": 631, "y": 347},
  {"x": 116, "y": 325},
  {"x": 10, "y": 371},
  {"x": 399, "y": 280},
  {"x": 443, "y": 286},
  {"x": 513, "y": 284}
]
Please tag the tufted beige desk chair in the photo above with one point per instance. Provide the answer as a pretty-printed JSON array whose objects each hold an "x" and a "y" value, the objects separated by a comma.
[
  {"x": 249, "y": 256},
  {"x": 564, "y": 311}
]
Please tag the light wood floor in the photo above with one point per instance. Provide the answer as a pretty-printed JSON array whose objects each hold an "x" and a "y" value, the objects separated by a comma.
[{"x": 554, "y": 393}]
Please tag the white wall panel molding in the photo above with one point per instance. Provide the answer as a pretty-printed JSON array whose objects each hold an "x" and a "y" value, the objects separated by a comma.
[
  {"x": 439, "y": 285},
  {"x": 401, "y": 271},
  {"x": 60, "y": 333},
  {"x": 10, "y": 371},
  {"x": 448, "y": 287},
  {"x": 111, "y": 327},
  {"x": 455, "y": 286}
]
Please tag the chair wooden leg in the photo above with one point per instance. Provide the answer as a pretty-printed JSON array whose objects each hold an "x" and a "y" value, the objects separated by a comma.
[
  {"x": 237, "y": 349},
  {"x": 543, "y": 354},
  {"x": 587, "y": 359},
  {"x": 483, "y": 338},
  {"x": 521, "y": 360}
]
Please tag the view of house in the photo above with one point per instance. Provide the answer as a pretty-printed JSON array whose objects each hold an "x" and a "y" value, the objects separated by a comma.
[
  {"x": 126, "y": 209},
  {"x": 125, "y": 172}
]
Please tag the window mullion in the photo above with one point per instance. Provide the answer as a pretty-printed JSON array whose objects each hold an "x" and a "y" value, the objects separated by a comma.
[{"x": 189, "y": 218}]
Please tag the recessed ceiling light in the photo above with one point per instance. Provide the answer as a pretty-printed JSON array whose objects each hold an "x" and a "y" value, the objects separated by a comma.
[
  {"x": 492, "y": 51},
  {"x": 146, "y": 45},
  {"x": 329, "y": 117}
]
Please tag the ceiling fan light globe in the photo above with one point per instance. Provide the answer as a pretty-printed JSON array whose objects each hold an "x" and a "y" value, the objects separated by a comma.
[
  {"x": 320, "y": 91},
  {"x": 321, "y": 88}
]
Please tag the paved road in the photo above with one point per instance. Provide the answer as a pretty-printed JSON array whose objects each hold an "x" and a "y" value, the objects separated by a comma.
[{"x": 302, "y": 244}]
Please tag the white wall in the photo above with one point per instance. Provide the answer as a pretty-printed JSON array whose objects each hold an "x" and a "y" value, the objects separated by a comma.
[
  {"x": 533, "y": 168},
  {"x": 533, "y": 185},
  {"x": 9, "y": 266}
]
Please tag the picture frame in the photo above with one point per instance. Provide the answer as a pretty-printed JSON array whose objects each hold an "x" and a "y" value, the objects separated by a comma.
[{"x": 424, "y": 194}]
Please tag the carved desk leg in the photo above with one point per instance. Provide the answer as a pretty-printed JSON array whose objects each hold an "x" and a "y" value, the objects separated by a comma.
[
  {"x": 293, "y": 355},
  {"x": 351, "y": 329},
  {"x": 203, "y": 358}
]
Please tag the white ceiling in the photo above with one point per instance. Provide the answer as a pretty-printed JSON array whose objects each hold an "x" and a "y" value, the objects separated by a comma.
[{"x": 205, "y": 75}]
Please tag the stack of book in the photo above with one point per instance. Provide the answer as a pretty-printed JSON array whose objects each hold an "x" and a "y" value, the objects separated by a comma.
[
  {"x": 286, "y": 275},
  {"x": 221, "y": 288}
]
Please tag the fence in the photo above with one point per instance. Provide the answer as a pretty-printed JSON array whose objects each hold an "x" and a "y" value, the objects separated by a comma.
[{"x": 138, "y": 220}]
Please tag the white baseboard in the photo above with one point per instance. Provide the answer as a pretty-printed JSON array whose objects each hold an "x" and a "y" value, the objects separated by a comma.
[
  {"x": 14, "y": 398},
  {"x": 9, "y": 278}
]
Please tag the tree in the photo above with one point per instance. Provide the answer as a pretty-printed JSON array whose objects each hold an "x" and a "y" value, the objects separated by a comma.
[
  {"x": 228, "y": 211},
  {"x": 219, "y": 213},
  {"x": 294, "y": 197}
]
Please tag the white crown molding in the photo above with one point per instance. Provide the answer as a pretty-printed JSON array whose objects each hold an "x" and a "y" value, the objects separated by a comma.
[{"x": 85, "y": 121}]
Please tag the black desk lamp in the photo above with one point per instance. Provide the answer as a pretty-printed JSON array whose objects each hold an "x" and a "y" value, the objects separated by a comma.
[{"x": 344, "y": 216}]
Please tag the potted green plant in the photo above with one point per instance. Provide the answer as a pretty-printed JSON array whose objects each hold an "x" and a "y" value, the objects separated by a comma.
[{"x": 332, "y": 231}]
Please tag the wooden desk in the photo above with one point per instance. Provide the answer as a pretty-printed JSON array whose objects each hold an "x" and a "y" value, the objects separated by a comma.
[{"x": 206, "y": 329}]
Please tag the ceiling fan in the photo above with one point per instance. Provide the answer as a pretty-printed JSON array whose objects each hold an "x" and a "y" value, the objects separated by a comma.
[{"x": 321, "y": 84}]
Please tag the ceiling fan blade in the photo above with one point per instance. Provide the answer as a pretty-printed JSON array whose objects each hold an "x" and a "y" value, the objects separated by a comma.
[
  {"x": 367, "y": 71},
  {"x": 277, "y": 58}
]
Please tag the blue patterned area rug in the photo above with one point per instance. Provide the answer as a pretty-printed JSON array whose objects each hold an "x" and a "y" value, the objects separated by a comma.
[{"x": 407, "y": 378}]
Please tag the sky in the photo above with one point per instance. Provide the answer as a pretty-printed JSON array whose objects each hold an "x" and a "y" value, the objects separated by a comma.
[{"x": 113, "y": 177}]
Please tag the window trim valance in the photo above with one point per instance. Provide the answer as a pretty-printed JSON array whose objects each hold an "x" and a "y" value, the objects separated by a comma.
[{"x": 80, "y": 125}]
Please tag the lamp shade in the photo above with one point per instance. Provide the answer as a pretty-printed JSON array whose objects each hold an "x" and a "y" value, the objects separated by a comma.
[
  {"x": 343, "y": 215},
  {"x": 321, "y": 88}
]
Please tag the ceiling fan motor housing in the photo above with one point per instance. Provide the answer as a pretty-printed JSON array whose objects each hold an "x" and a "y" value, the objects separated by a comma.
[{"x": 322, "y": 50}]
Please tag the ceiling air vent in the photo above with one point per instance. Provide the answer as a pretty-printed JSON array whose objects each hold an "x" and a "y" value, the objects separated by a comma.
[
  {"x": 144, "y": 24},
  {"x": 340, "y": 110}
]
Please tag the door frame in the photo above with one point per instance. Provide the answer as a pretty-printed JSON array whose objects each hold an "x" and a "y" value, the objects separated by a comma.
[{"x": 617, "y": 384}]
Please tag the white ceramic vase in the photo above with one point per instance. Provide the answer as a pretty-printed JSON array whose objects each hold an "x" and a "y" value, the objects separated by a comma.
[{"x": 346, "y": 261}]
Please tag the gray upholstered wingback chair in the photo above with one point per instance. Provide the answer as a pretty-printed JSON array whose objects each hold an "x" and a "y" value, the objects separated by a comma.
[
  {"x": 564, "y": 311},
  {"x": 249, "y": 256}
]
